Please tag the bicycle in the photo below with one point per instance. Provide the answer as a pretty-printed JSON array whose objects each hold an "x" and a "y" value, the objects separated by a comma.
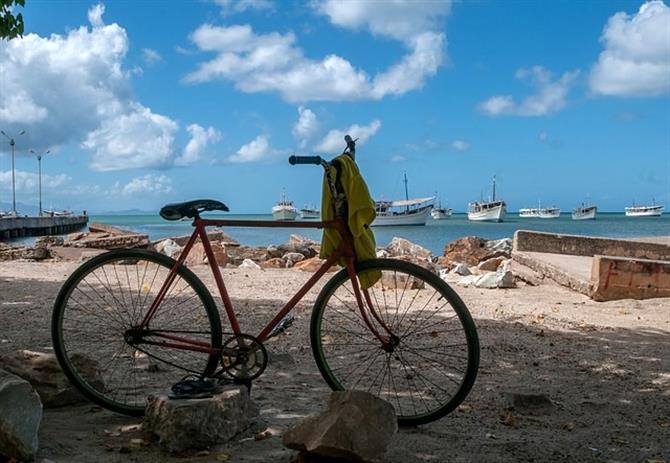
[{"x": 128, "y": 323}]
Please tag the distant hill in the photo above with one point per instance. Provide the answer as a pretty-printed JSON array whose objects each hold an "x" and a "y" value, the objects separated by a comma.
[{"x": 124, "y": 212}]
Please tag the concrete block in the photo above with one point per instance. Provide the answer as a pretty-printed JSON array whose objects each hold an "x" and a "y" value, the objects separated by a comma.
[{"x": 626, "y": 278}]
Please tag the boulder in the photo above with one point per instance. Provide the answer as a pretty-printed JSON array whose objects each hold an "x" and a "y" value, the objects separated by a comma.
[
  {"x": 248, "y": 263},
  {"x": 220, "y": 254},
  {"x": 44, "y": 374},
  {"x": 292, "y": 257},
  {"x": 169, "y": 248},
  {"x": 273, "y": 252},
  {"x": 301, "y": 240},
  {"x": 493, "y": 280},
  {"x": 461, "y": 269},
  {"x": 472, "y": 250},
  {"x": 75, "y": 236},
  {"x": 467, "y": 280},
  {"x": 383, "y": 254},
  {"x": 275, "y": 262},
  {"x": 196, "y": 256},
  {"x": 356, "y": 425},
  {"x": 47, "y": 241},
  {"x": 237, "y": 254},
  {"x": 491, "y": 265},
  {"x": 199, "y": 423},
  {"x": 309, "y": 265},
  {"x": 20, "y": 416},
  {"x": 402, "y": 247}
]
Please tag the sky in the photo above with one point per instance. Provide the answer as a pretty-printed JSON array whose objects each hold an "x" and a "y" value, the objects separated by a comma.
[{"x": 144, "y": 103}]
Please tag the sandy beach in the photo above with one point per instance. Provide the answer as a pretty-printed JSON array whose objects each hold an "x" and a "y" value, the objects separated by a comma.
[{"x": 604, "y": 365}]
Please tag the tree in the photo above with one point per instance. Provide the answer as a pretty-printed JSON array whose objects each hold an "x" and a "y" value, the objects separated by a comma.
[{"x": 10, "y": 26}]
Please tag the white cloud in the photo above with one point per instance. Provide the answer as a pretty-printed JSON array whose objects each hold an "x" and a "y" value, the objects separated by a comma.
[
  {"x": 27, "y": 182},
  {"x": 201, "y": 138},
  {"x": 139, "y": 138},
  {"x": 398, "y": 158},
  {"x": 550, "y": 95},
  {"x": 149, "y": 184},
  {"x": 306, "y": 125},
  {"x": 256, "y": 150},
  {"x": 460, "y": 145},
  {"x": 151, "y": 57},
  {"x": 73, "y": 88},
  {"x": 239, "y": 6},
  {"x": 273, "y": 62},
  {"x": 334, "y": 140},
  {"x": 636, "y": 58}
]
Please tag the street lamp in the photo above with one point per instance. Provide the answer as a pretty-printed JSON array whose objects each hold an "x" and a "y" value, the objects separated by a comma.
[
  {"x": 39, "y": 170},
  {"x": 12, "y": 143}
]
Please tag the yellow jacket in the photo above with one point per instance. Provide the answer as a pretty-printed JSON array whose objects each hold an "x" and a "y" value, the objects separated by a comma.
[{"x": 361, "y": 213}]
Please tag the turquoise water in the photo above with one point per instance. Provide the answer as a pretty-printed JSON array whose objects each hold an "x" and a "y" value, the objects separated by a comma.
[{"x": 433, "y": 236}]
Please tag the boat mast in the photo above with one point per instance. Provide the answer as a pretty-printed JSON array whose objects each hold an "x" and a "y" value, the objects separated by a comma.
[
  {"x": 406, "y": 193},
  {"x": 494, "y": 188}
]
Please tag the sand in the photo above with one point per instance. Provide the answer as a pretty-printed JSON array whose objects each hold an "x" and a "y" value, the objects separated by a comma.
[{"x": 606, "y": 366}]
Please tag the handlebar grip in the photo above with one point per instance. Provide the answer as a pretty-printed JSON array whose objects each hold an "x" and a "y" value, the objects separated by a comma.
[{"x": 293, "y": 160}]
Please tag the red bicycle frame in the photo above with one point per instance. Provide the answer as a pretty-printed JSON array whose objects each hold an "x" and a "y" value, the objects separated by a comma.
[{"x": 345, "y": 250}]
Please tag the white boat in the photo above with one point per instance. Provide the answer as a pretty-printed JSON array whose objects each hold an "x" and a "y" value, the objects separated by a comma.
[
  {"x": 584, "y": 212},
  {"x": 655, "y": 210},
  {"x": 52, "y": 213},
  {"x": 284, "y": 210},
  {"x": 440, "y": 213},
  {"x": 540, "y": 212},
  {"x": 488, "y": 211},
  {"x": 404, "y": 211},
  {"x": 310, "y": 213}
]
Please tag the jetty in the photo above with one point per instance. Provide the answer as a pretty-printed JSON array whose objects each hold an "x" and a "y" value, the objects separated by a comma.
[{"x": 16, "y": 227}]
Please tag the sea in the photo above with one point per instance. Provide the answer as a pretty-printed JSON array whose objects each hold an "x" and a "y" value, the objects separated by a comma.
[{"x": 434, "y": 236}]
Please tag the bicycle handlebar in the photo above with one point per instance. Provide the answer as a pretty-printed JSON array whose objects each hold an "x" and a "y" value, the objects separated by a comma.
[{"x": 293, "y": 160}]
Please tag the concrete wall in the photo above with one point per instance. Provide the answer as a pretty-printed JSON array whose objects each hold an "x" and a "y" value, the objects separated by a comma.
[
  {"x": 12, "y": 227},
  {"x": 576, "y": 245},
  {"x": 625, "y": 278}
]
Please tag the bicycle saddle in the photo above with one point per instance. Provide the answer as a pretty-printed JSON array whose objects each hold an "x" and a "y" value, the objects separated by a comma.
[{"x": 190, "y": 209}]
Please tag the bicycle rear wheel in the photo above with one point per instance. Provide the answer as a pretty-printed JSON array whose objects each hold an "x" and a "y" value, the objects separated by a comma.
[
  {"x": 95, "y": 336},
  {"x": 432, "y": 363}
]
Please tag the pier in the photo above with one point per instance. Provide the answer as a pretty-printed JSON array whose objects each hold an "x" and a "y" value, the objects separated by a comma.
[{"x": 16, "y": 227}]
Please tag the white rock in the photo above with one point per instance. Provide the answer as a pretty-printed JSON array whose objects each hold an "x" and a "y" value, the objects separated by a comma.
[
  {"x": 461, "y": 269},
  {"x": 403, "y": 247},
  {"x": 468, "y": 280},
  {"x": 170, "y": 248},
  {"x": 501, "y": 245},
  {"x": 495, "y": 280},
  {"x": 248, "y": 263},
  {"x": 383, "y": 254},
  {"x": 293, "y": 257},
  {"x": 20, "y": 416}
]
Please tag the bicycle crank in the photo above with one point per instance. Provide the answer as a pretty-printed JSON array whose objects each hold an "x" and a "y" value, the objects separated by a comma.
[{"x": 243, "y": 357}]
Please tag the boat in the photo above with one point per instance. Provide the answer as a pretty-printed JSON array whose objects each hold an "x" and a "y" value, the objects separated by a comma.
[
  {"x": 440, "y": 213},
  {"x": 655, "y": 210},
  {"x": 403, "y": 212},
  {"x": 284, "y": 209},
  {"x": 584, "y": 212},
  {"x": 52, "y": 213},
  {"x": 540, "y": 212},
  {"x": 310, "y": 213},
  {"x": 488, "y": 211}
]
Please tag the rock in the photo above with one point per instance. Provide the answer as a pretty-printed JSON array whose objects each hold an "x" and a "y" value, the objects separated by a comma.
[
  {"x": 248, "y": 263},
  {"x": 40, "y": 253},
  {"x": 169, "y": 248},
  {"x": 468, "y": 280},
  {"x": 491, "y": 265},
  {"x": 237, "y": 254},
  {"x": 30, "y": 253},
  {"x": 273, "y": 252},
  {"x": 356, "y": 425},
  {"x": 196, "y": 256},
  {"x": 401, "y": 280},
  {"x": 104, "y": 241},
  {"x": 472, "y": 250},
  {"x": 75, "y": 236},
  {"x": 402, "y": 247},
  {"x": 44, "y": 374},
  {"x": 299, "y": 244},
  {"x": 20, "y": 416},
  {"x": 199, "y": 423},
  {"x": 383, "y": 254},
  {"x": 531, "y": 404},
  {"x": 461, "y": 269},
  {"x": 292, "y": 257},
  {"x": 220, "y": 254},
  {"x": 302, "y": 241},
  {"x": 275, "y": 262},
  {"x": 46, "y": 241},
  {"x": 108, "y": 230},
  {"x": 493, "y": 280}
]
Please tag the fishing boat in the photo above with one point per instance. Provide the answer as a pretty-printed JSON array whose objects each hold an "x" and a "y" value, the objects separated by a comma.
[
  {"x": 310, "y": 213},
  {"x": 440, "y": 213},
  {"x": 53, "y": 213},
  {"x": 403, "y": 212},
  {"x": 584, "y": 212},
  {"x": 655, "y": 210},
  {"x": 488, "y": 211},
  {"x": 540, "y": 212},
  {"x": 284, "y": 209}
]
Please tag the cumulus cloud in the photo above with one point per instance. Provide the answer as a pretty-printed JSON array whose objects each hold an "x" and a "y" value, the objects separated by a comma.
[
  {"x": 460, "y": 145},
  {"x": 636, "y": 56},
  {"x": 256, "y": 150},
  {"x": 201, "y": 138},
  {"x": 334, "y": 139},
  {"x": 73, "y": 88},
  {"x": 27, "y": 182},
  {"x": 149, "y": 184},
  {"x": 273, "y": 62},
  {"x": 549, "y": 97},
  {"x": 306, "y": 125}
]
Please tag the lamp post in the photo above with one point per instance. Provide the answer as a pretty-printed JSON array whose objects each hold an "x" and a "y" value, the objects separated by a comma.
[
  {"x": 39, "y": 174},
  {"x": 12, "y": 143}
]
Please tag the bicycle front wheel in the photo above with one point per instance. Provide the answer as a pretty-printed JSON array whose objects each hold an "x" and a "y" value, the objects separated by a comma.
[
  {"x": 95, "y": 328},
  {"x": 429, "y": 364}
]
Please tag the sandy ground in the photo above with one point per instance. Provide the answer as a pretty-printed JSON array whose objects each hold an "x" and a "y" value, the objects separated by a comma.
[{"x": 606, "y": 366}]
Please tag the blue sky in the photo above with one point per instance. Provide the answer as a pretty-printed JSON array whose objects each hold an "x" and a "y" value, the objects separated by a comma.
[{"x": 143, "y": 103}]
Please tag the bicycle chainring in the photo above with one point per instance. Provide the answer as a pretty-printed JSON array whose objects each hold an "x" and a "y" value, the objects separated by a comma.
[{"x": 243, "y": 357}]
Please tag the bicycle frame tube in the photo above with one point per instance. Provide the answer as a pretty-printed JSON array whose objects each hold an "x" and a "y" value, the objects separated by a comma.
[{"x": 345, "y": 250}]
